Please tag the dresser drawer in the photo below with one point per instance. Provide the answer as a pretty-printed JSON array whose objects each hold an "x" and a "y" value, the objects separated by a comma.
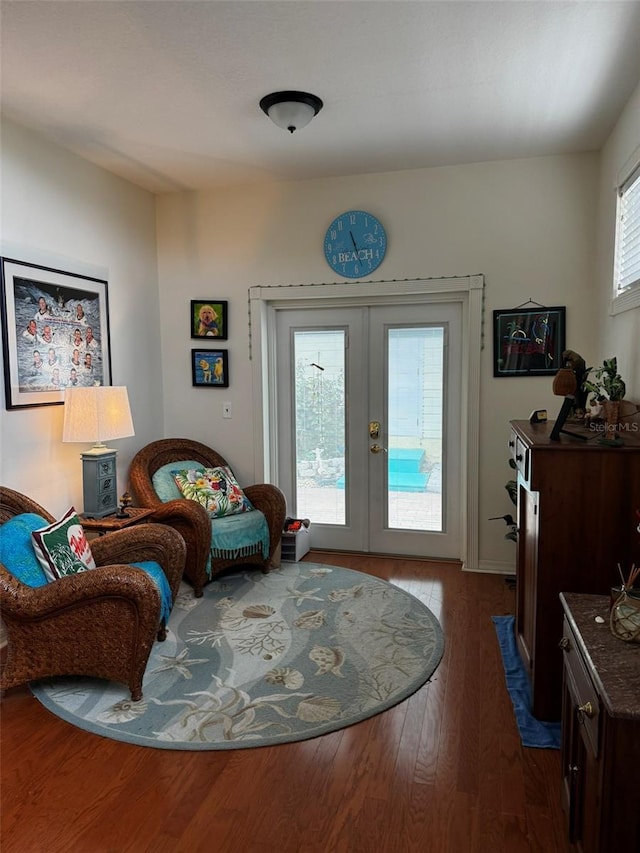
[
  {"x": 106, "y": 484},
  {"x": 583, "y": 693},
  {"x": 520, "y": 455},
  {"x": 106, "y": 467}
]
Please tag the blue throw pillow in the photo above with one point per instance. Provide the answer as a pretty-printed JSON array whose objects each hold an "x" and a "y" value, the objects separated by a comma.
[{"x": 16, "y": 548}]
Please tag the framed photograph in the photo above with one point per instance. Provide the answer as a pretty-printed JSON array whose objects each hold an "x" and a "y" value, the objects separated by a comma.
[
  {"x": 210, "y": 368},
  {"x": 208, "y": 319},
  {"x": 528, "y": 341},
  {"x": 55, "y": 333}
]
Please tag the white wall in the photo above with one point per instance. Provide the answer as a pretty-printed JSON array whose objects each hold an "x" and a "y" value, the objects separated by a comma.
[
  {"x": 60, "y": 211},
  {"x": 527, "y": 225},
  {"x": 617, "y": 335}
]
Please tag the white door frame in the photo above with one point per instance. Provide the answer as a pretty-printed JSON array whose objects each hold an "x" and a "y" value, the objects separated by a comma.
[{"x": 264, "y": 302}]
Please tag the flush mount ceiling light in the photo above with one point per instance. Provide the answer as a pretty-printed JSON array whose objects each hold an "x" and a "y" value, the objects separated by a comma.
[{"x": 291, "y": 110}]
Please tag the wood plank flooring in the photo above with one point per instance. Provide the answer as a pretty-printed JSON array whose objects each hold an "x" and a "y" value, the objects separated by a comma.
[{"x": 443, "y": 772}]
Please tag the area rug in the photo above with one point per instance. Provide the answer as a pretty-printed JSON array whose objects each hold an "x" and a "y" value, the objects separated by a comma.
[
  {"x": 265, "y": 659},
  {"x": 533, "y": 732}
]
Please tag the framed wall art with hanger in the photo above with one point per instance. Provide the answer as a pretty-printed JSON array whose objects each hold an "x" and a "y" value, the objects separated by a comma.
[{"x": 528, "y": 340}]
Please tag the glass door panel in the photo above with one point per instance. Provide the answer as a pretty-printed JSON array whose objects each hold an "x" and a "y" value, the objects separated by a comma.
[
  {"x": 415, "y": 361},
  {"x": 319, "y": 423}
]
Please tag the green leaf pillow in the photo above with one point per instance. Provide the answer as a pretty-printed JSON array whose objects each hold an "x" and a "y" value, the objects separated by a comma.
[
  {"x": 215, "y": 488},
  {"x": 62, "y": 547}
]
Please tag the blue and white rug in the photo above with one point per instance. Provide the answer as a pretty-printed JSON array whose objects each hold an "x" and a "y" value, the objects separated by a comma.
[{"x": 265, "y": 659}]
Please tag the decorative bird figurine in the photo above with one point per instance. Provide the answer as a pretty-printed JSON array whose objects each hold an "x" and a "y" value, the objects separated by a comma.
[{"x": 508, "y": 519}]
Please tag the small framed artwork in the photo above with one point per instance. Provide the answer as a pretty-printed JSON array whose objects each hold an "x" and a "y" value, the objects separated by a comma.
[
  {"x": 210, "y": 368},
  {"x": 55, "y": 333},
  {"x": 528, "y": 341},
  {"x": 208, "y": 319}
]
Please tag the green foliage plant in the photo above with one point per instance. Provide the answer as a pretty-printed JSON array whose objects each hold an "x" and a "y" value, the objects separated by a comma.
[{"x": 608, "y": 383}]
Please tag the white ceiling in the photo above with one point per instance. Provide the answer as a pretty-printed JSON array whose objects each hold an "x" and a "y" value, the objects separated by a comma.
[{"x": 165, "y": 92}]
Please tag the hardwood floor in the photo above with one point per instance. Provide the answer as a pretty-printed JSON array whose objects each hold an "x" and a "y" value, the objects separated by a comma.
[{"x": 444, "y": 771}]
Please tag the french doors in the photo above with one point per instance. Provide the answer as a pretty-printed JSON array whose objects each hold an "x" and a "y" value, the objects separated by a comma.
[{"x": 369, "y": 439}]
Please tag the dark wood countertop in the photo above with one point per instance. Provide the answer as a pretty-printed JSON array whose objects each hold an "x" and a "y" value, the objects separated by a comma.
[
  {"x": 614, "y": 664},
  {"x": 537, "y": 435}
]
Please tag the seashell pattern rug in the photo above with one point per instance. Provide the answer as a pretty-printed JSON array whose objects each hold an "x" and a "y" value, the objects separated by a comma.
[{"x": 265, "y": 659}]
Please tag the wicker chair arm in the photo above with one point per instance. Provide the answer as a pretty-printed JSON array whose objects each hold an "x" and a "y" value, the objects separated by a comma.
[
  {"x": 155, "y": 542},
  {"x": 79, "y": 591},
  {"x": 192, "y": 522},
  {"x": 183, "y": 514},
  {"x": 266, "y": 497},
  {"x": 272, "y": 502}
]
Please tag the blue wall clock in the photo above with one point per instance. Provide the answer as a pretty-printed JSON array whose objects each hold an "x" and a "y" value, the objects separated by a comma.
[{"x": 355, "y": 244}]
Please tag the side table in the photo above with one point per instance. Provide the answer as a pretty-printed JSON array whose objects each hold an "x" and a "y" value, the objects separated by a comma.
[{"x": 109, "y": 523}]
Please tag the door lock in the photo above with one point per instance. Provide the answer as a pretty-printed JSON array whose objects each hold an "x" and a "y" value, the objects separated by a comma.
[{"x": 374, "y": 429}]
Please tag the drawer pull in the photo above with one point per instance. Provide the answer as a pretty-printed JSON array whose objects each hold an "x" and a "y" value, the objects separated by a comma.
[
  {"x": 564, "y": 644},
  {"x": 512, "y": 444},
  {"x": 519, "y": 457},
  {"x": 587, "y": 710}
]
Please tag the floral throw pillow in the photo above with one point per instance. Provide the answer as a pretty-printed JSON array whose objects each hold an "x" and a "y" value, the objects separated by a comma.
[
  {"x": 62, "y": 547},
  {"x": 215, "y": 488}
]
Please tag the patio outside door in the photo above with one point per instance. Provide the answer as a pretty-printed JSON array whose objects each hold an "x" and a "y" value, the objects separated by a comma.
[{"x": 369, "y": 433}]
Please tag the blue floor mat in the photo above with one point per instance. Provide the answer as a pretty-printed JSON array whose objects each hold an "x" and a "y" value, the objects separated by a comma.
[{"x": 533, "y": 733}]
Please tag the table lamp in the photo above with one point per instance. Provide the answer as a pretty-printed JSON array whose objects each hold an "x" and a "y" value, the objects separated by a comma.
[{"x": 98, "y": 413}]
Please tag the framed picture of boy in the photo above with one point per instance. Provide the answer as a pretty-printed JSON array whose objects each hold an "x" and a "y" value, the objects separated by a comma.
[{"x": 209, "y": 319}]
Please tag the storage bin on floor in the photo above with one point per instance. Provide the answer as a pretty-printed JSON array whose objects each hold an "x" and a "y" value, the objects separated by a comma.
[{"x": 295, "y": 544}]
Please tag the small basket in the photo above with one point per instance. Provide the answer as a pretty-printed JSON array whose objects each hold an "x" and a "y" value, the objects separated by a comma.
[{"x": 625, "y": 618}]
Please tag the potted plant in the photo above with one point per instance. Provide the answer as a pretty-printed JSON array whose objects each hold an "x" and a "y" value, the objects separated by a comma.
[
  {"x": 512, "y": 489},
  {"x": 608, "y": 389}
]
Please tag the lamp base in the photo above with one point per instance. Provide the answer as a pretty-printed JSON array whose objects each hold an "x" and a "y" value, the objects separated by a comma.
[
  {"x": 99, "y": 450},
  {"x": 99, "y": 488}
]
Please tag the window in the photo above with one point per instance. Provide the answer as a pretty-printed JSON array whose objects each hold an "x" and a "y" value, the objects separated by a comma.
[{"x": 627, "y": 254}]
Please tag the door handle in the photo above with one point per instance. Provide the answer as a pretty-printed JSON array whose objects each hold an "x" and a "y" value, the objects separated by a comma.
[{"x": 377, "y": 448}]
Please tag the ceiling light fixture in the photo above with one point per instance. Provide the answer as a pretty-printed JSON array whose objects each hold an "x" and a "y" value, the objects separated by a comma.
[{"x": 291, "y": 110}]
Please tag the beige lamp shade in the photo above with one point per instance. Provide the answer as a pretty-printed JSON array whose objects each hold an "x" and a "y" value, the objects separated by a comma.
[{"x": 97, "y": 414}]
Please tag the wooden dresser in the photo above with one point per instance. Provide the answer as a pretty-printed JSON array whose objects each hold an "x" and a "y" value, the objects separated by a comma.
[
  {"x": 576, "y": 520},
  {"x": 600, "y": 730}
]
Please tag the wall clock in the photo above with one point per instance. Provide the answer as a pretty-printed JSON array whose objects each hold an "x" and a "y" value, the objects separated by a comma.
[{"x": 355, "y": 244}]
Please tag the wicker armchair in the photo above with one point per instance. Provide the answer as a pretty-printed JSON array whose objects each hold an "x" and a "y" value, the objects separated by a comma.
[
  {"x": 100, "y": 623},
  {"x": 191, "y": 519}
]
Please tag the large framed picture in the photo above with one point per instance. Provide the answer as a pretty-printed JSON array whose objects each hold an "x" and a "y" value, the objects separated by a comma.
[
  {"x": 55, "y": 333},
  {"x": 528, "y": 341},
  {"x": 208, "y": 319},
  {"x": 210, "y": 368}
]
